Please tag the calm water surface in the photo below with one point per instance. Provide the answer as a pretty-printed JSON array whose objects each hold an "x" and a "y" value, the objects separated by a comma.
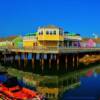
[{"x": 89, "y": 89}]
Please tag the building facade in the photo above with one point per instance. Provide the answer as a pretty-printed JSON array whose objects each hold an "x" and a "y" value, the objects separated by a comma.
[
  {"x": 50, "y": 36},
  {"x": 72, "y": 39},
  {"x": 30, "y": 40}
]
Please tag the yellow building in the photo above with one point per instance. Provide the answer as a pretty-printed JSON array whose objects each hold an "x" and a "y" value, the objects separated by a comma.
[
  {"x": 50, "y": 36},
  {"x": 30, "y": 40}
]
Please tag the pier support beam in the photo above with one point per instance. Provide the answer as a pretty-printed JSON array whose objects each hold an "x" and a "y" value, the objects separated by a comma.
[
  {"x": 66, "y": 61},
  {"x": 77, "y": 57},
  {"x": 70, "y": 62},
  {"x": 5, "y": 58},
  {"x": 50, "y": 59},
  {"x": 58, "y": 60},
  {"x": 73, "y": 61},
  {"x": 19, "y": 59},
  {"x": 25, "y": 59},
  {"x": 13, "y": 58},
  {"x": 33, "y": 61},
  {"x": 42, "y": 62}
]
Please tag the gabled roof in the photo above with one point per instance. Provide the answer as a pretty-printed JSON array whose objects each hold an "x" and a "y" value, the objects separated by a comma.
[
  {"x": 50, "y": 26},
  {"x": 8, "y": 38}
]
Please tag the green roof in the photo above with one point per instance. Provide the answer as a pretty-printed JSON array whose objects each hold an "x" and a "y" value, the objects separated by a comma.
[
  {"x": 31, "y": 34},
  {"x": 71, "y": 34}
]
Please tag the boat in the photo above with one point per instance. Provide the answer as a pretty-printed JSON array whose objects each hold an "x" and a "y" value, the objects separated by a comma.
[{"x": 13, "y": 90}]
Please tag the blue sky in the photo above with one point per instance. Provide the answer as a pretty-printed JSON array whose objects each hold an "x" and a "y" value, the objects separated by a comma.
[{"x": 23, "y": 16}]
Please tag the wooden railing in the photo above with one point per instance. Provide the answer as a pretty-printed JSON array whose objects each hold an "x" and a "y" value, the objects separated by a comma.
[{"x": 50, "y": 49}]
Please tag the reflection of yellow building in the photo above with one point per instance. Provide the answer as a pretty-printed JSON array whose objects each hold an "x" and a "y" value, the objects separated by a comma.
[
  {"x": 50, "y": 36},
  {"x": 51, "y": 93}
]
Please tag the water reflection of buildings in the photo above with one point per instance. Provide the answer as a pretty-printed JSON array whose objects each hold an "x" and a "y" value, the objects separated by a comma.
[{"x": 53, "y": 88}]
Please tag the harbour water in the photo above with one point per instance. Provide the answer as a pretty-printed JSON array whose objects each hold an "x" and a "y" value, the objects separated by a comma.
[
  {"x": 89, "y": 88},
  {"x": 76, "y": 85}
]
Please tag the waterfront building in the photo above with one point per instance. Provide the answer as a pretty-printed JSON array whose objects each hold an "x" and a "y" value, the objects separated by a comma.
[
  {"x": 18, "y": 42},
  {"x": 71, "y": 39},
  {"x": 50, "y": 36},
  {"x": 91, "y": 43},
  {"x": 30, "y": 40},
  {"x": 7, "y": 42}
]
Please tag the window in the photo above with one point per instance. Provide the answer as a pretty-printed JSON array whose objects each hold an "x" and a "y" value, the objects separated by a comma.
[
  {"x": 41, "y": 32},
  {"x": 47, "y": 32},
  {"x": 54, "y": 32},
  {"x": 50, "y": 32},
  {"x": 60, "y": 32}
]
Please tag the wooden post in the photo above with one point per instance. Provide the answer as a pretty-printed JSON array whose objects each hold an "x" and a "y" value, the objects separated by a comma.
[
  {"x": 49, "y": 61},
  {"x": 77, "y": 61},
  {"x": 14, "y": 57},
  {"x": 66, "y": 62},
  {"x": 11, "y": 59},
  {"x": 5, "y": 58},
  {"x": 73, "y": 62},
  {"x": 33, "y": 60},
  {"x": 19, "y": 58},
  {"x": 57, "y": 62},
  {"x": 25, "y": 59},
  {"x": 42, "y": 62}
]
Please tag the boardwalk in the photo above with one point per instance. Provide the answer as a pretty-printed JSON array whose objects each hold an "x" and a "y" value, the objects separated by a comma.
[{"x": 48, "y": 50}]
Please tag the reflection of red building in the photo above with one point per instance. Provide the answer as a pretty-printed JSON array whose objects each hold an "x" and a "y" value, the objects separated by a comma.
[{"x": 89, "y": 73}]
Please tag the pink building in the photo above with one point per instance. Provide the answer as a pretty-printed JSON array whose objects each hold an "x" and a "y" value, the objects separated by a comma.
[{"x": 90, "y": 43}]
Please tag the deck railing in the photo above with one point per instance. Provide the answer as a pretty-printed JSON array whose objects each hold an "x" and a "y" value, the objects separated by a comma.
[{"x": 49, "y": 49}]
